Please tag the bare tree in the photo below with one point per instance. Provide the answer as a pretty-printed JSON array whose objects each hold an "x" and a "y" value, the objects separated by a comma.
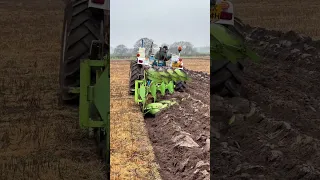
[
  {"x": 146, "y": 44},
  {"x": 121, "y": 50},
  {"x": 187, "y": 48}
]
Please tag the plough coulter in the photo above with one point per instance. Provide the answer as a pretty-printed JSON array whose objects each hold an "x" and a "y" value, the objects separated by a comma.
[
  {"x": 85, "y": 68},
  {"x": 151, "y": 77}
]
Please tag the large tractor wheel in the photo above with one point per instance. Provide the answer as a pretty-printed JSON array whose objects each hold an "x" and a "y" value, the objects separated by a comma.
[
  {"x": 180, "y": 86},
  {"x": 226, "y": 78},
  {"x": 136, "y": 73},
  {"x": 81, "y": 26}
]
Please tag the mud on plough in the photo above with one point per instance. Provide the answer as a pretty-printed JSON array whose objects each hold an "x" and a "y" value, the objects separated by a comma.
[{"x": 157, "y": 81}]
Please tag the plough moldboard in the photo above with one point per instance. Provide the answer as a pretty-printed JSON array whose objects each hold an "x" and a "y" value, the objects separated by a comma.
[
  {"x": 157, "y": 81},
  {"x": 227, "y": 45}
]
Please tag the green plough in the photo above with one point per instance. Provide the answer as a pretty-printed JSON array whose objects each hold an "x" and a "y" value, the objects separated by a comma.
[
  {"x": 228, "y": 50},
  {"x": 157, "y": 82},
  {"x": 225, "y": 44}
]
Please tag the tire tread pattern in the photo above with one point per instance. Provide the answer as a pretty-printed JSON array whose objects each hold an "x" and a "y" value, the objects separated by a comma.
[
  {"x": 226, "y": 78},
  {"x": 83, "y": 28}
]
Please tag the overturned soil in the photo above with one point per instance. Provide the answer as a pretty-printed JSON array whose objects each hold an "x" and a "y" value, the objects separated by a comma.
[
  {"x": 276, "y": 123},
  {"x": 180, "y": 135}
]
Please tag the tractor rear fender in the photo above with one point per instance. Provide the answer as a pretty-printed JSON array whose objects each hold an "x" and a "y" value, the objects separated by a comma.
[
  {"x": 98, "y": 4},
  {"x": 91, "y": 3}
]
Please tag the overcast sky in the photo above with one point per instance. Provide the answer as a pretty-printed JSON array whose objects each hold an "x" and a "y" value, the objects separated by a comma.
[{"x": 164, "y": 21}]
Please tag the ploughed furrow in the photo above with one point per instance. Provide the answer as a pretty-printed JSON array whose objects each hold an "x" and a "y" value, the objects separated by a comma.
[
  {"x": 257, "y": 146},
  {"x": 274, "y": 131},
  {"x": 180, "y": 135},
  {"x": 199, "y": 79},
  {"x": 285, "y": 88}
]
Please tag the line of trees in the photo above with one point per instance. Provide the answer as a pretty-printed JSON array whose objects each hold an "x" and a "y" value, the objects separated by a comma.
[{"x": 187, "y": 48}]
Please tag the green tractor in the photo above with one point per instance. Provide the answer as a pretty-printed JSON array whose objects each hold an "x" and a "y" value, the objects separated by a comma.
[
  {"x": 85, "y": 67},
  {"x": 227, "y": 50},
  {"x": 148, "y": 80}
]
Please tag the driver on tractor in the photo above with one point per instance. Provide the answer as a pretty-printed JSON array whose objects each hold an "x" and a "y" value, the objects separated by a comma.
[{"x": 161, "y": 57}]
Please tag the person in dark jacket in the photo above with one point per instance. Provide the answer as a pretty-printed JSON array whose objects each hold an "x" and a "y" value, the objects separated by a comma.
[{"x": 162, "y": 56}]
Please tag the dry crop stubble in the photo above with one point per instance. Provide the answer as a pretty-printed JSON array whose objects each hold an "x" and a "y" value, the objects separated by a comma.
[
  {"x": 197, "y": 64},
  {"x": 131, "y": 152},
  {"x": 284, "y": 15},
  {"x": 39, "y": 138}
]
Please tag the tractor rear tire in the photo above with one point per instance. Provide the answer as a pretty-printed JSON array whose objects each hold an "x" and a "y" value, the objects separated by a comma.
[
  {"x": 136, "y": 73},
  {"x": 81, "y": 26},
  {"x": 226, "y": 78},
  {"x": 180, "y": 86}
]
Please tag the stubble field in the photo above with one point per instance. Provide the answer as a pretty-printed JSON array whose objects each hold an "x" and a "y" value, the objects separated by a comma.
[
  {"x": 282, "y": 15},
  {"x": 39, "y": 139}
]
